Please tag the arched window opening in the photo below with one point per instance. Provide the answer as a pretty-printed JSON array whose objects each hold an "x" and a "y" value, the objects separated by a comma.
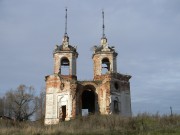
[
  {"x": 116, "y": 107},
  {"x": 105, "y": 66},
  {"x": 116, "y": 85},
  {"x": 64, "y": 70}
]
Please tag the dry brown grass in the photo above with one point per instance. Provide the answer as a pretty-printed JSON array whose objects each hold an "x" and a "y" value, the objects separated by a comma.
[{"x": 142, "y": 124}]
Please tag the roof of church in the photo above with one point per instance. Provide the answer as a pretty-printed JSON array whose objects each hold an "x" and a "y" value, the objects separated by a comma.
[
  {"x": 62, "y": 48},
  {"x": 101, "y": 49}
]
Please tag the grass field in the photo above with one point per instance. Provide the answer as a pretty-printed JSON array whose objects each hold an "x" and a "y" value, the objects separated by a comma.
[{"x": 143, "y": 124}]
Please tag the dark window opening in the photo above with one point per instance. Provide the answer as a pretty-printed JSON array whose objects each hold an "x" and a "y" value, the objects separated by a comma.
[
  {"x": 88, "y": 101},
  {"x": 116, "y": 107},
  {"x": 105, "y": 65},
  {"x": 64, "y": 70},
  {"x": 116, "y": 85}
]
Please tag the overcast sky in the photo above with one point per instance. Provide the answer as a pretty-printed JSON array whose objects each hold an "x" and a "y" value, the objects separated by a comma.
[{"x": 145, "y": 33}]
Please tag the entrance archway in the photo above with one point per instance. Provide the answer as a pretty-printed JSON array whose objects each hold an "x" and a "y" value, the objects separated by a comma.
[{"x": 88, "y": 100}]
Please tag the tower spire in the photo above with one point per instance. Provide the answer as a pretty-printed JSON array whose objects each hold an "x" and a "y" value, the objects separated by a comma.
[
  {"x": 103, "y": 26},
  {"x": 65, "y": 33},
  {"x": 65, "y": 38},
  {"x": 103, "y": 39}
]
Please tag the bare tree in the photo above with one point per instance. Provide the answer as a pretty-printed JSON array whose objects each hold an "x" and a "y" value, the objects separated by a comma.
[
  {"x": 1, "y": 106},
  {"x": 8, "y": 104},
  {"x": 21, "y": 103},
  {"x": 41, "y": 105}
]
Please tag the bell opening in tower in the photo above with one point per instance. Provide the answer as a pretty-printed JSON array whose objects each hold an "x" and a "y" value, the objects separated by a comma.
[
  {"x": 105, "y": 66},
  {"x": 64, "y": 68}
]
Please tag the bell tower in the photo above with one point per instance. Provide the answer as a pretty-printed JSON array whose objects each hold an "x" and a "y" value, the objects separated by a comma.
[
  {"x": 65, "y": 56},
  {"x": 104, "y": 56},
  {"x": 62, "y": 84}
]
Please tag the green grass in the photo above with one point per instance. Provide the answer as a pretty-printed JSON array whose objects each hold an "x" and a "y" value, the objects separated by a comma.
[{"x": 143, "y": 124}]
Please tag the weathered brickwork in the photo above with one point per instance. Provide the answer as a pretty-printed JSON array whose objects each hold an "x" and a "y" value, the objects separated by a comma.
[{"x": 66, "y": 97}]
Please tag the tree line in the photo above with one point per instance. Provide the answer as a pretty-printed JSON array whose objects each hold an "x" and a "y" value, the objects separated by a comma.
[{"x": 23, "y": 104}]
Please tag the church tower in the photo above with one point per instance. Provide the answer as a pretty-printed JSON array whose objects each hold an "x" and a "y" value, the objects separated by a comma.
[
  {"x": 104, "y": 57},
  {"x": 65, "y": 57},
  {"x": 114, "y": 90},
  {"x": 61, "y": 85}
]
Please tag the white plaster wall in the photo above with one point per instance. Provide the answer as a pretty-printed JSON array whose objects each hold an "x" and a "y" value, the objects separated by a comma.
[
  {"x": 128, "y": 104},
  {"x": 65, "y": 99},
  {"x": 54, "y": 101},
  {"x": 51, "y": 103},
  {"x": 51, "y": 121},
  {"x": 49, "y": 106},
  {"x": 116, "y": 97},
  {"x": 124, "y": 103}
]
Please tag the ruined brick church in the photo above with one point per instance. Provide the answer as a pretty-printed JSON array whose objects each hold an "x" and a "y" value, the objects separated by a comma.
[{"x": 66, "y": 97}]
